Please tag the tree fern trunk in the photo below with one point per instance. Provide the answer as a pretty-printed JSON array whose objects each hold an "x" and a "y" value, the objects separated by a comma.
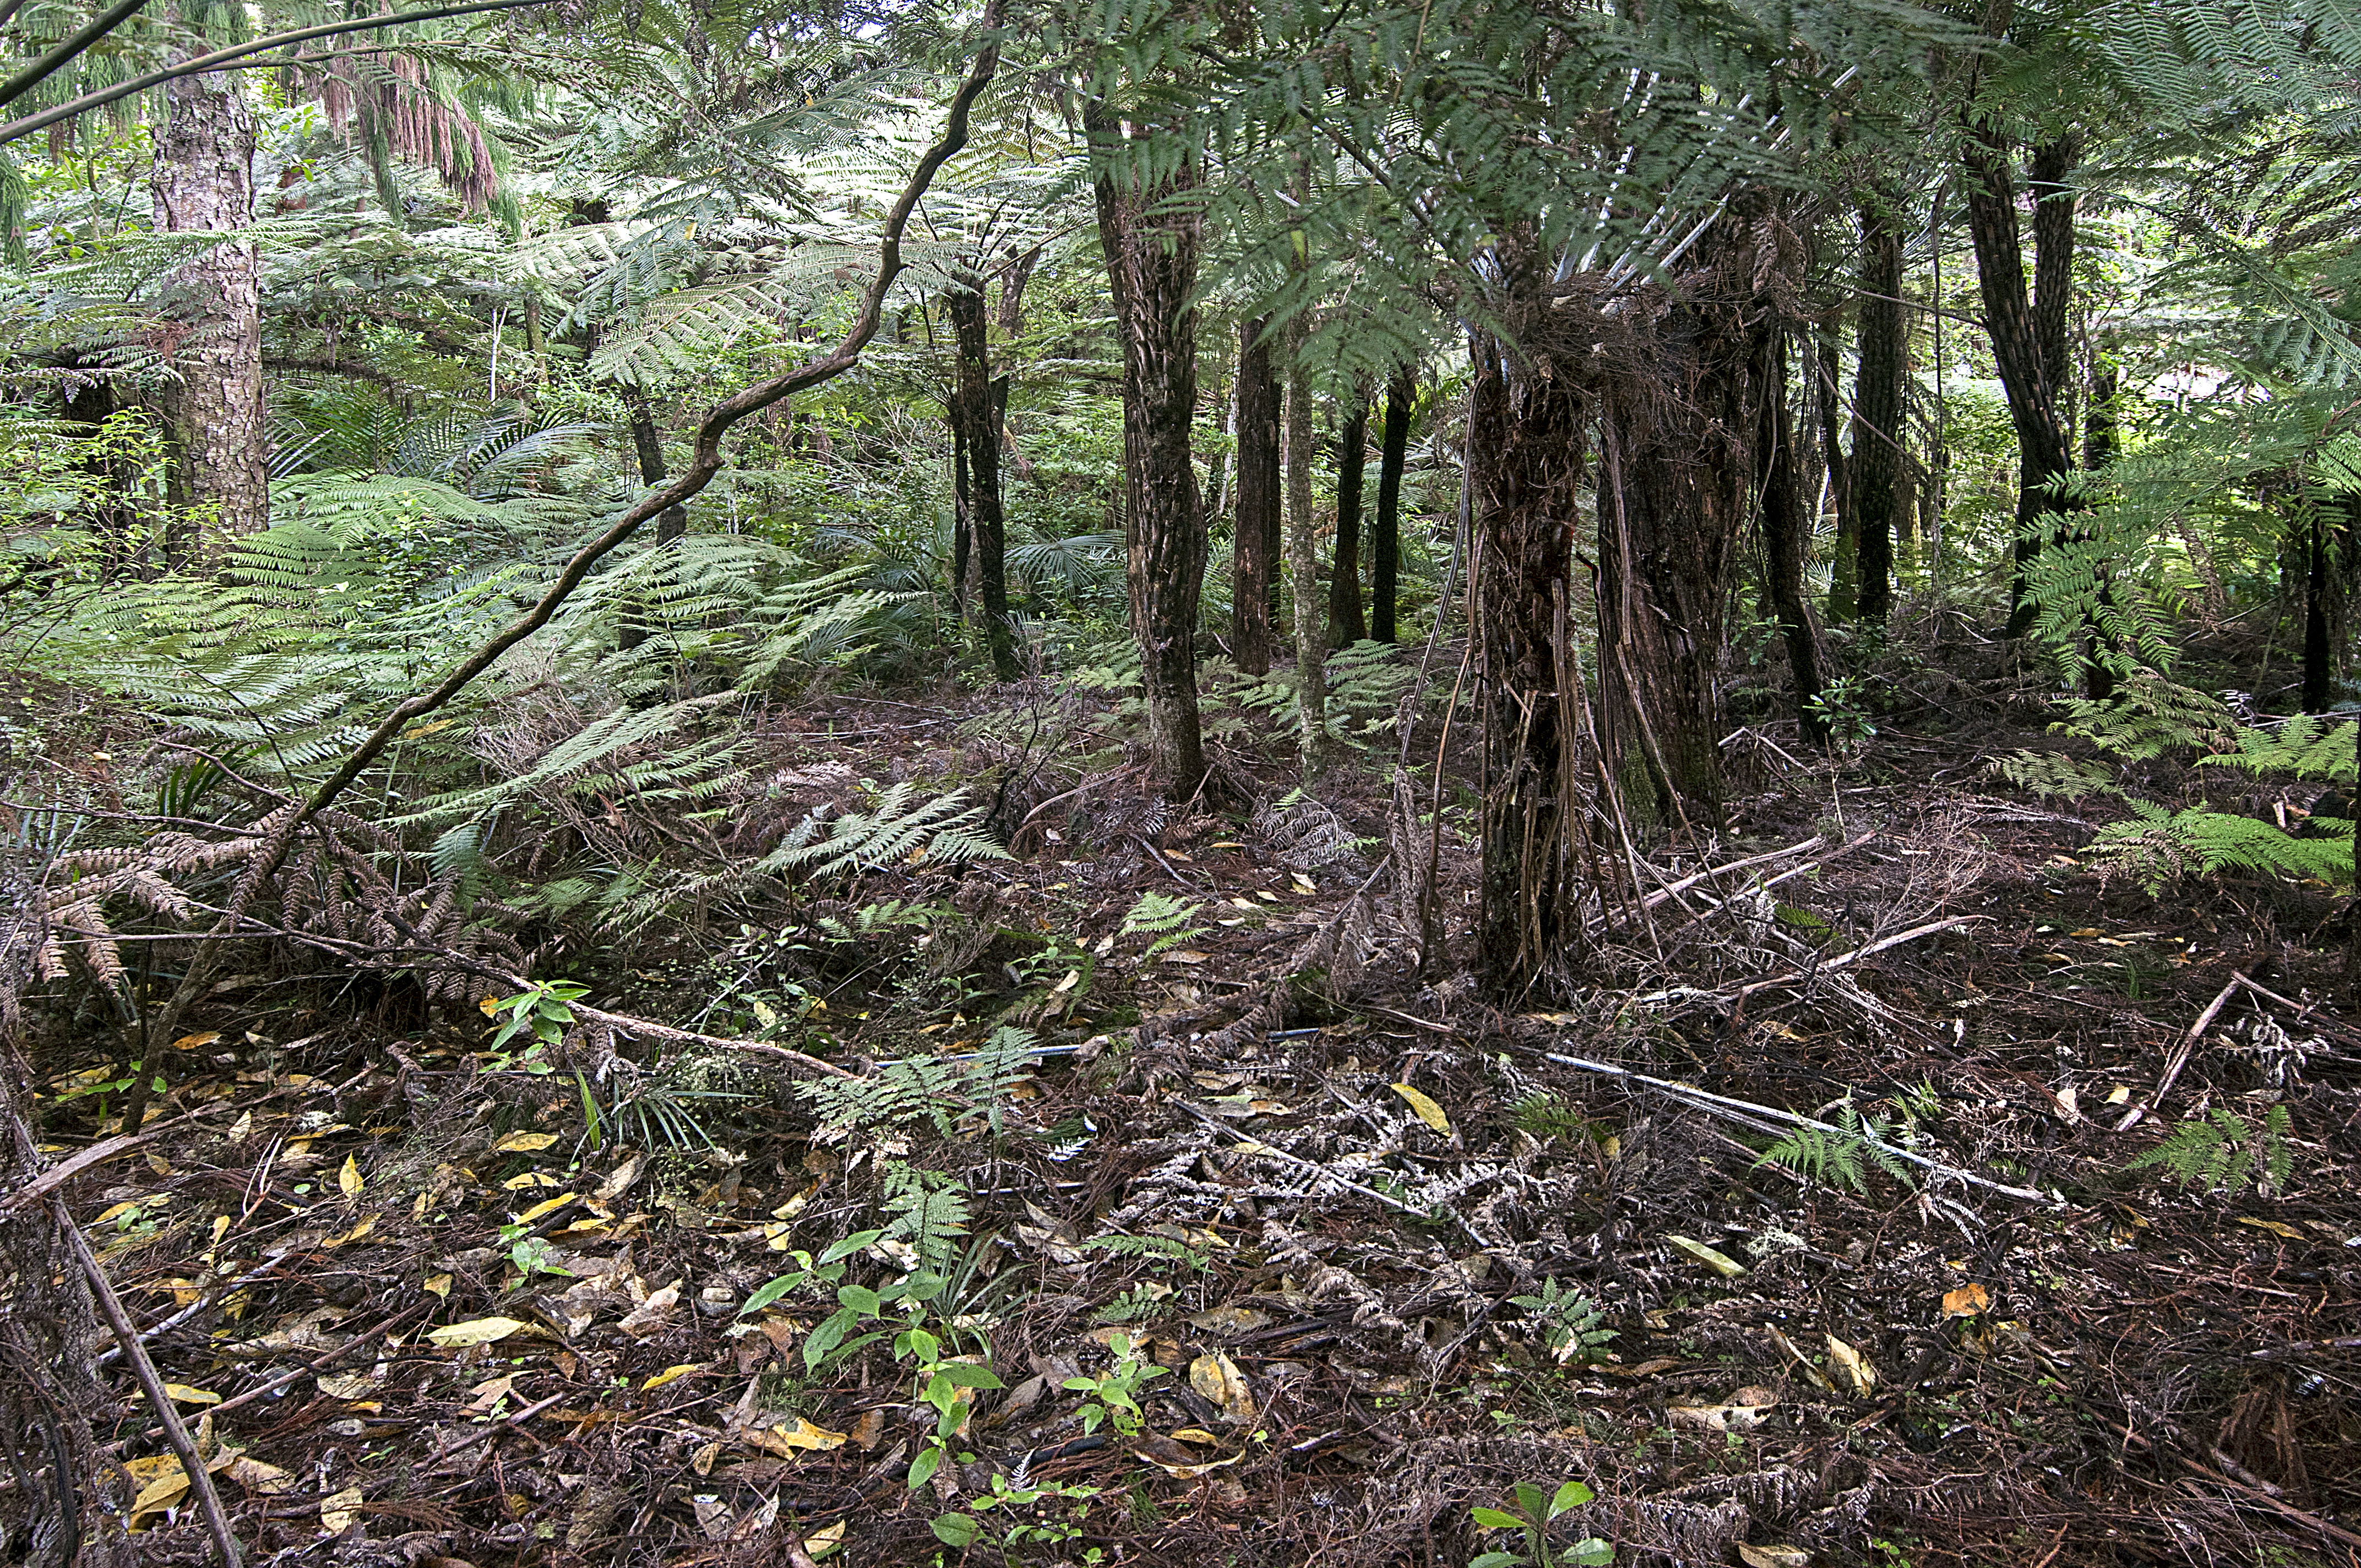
[
  {"x": 203, "y": 179},
  {"x": 1253, "y": 561},
  {"x": 1303, "y": 563},
  {"x": 1877, "y": 431},
  {"x": 1150, "y": 245},
  {"x": 1385, "y": 534},
  {"x": 1844, "y": 565},
  {"x": 672, "y": 524},
  {"x": 1785, "y": 533},
  {"x": 1346, "y": 625},
  {"x": 972, "y": 405}
]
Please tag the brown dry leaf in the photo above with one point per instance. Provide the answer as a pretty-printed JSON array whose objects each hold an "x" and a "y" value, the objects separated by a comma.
[
  {"x": 868, "y": 1429},
  {"x": 2274, "y": 1226},
  {"x": 268, "y": 1480},
  {"x": 490, "y": 1393},
  {"x": 525, "y": 1143},
  {"x": 1216, "y": 1379},
  {"x": 1428, "y": 1110},
  {"x": 702, "y": 1460},
  {"x": 803, "y": 1437},
  {"x": 368, "y": 1224},
  {"x": 1855, "y": 1366},
  {"x": 1647, "y": 1368},
  {"x": 1228, "y": 1319},
  {"x": 346, "y": 1385},
  {"x": 341, "y": 1511},
  {"x": 1966, "y": 1301},
  {"x": 438, "y": 1285},
  {"x": 1184, "y": 956},
  {"x": 1743, "y": 1411},
  {"x": 348, "y": 1179},
  {"x": 1720, "y": 1262},
  {"x": 1812, "y": 1373}
]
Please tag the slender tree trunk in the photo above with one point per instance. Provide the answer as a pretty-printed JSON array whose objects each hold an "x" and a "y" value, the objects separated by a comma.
[
  {"x": 202, "y": 179},
  {"x": 962, "y": 515},
  {"x": 1844, "y": 563},
  {"x": 1253, "y": 553},
  {"x": 1303, "y": 563},
  {"x": 1385, "y": 534},
  {"x": 1877, "y": 411},
  {"x": 1150, "y": 245},
  {"x": 1345, "y": 626},
  {"x": 1785, "y": 533},
  {"x": 672, "y": 524},
  {"x": 974, "y": 407},
  {"x": 2320, "y": 615},
  {"x": 2027, "y": 348}
]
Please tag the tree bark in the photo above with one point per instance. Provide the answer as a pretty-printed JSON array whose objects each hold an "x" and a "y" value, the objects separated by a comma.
[
  {"x": 1528, "y": 414},
  {"x": 1785, "y": 533},
  {"x": 1254, "y": 548},
  {"x": 1876, "y": 461},
  {"x": 1385, "y": 534},
  {"x": 1151, "y": 243},
  {"x": 1303, "y": 563},
  {"x": 203, "y": 179},
  {"x": 647, "y": 445},
  {"x": 1346, "y": 625},
  {"x": 2320, "y": 614},
  {"x": 2027, "y": 346},
  {"x": 975, "y": 408},
  {"x": 1844, "y": 563}
]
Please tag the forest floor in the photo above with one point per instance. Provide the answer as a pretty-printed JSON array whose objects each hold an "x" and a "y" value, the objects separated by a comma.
[{"x": 1336, "y": 1209}]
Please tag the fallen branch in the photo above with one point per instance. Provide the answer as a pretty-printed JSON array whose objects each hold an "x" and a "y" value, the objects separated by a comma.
[
  {"x": 1251, "y": 1146},
  {"x": 1846, "y": 960},
  {"x": 624, "y": 1023},
  {"x": 1737, "y": 1110},
  {"x": 2180, "y": 1054},
  {"x": 175, "y": 1432},
  {"x": 1670, "y": 890}
]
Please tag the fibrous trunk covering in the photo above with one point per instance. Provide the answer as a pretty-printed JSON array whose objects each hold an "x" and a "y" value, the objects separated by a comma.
[
  {"x": 1676, "y": 489},
  {"x": 203, "y": 179},
  {"x": 1254, "y": 549},
  {"x": 1877, "y": 411},
  {"x": 1527, "y": 418},
  {"x": 1303, "y": 563},
  {"x": 1385, "y": 531},
  {"x": 975, "y": 414},
  {"x": 1150, "y": 245}
]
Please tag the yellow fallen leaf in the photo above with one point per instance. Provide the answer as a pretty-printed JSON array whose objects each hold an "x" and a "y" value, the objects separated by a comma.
[
  {"x": 1720, "y": 1262},
  {"x": 1428, "y": 1110},
  {"x": 2274, "y": 1226},
  {"x": 117, "y": 1211},
  {"x": 1184, "y": 956},
  {"x": 476, "y": 1331},
  {"x": 530, "y": 1179},
  {"x": 339, "y": 1512},
  {"x": 1302, "y": 884},
  {"x": 438, "y": 1285},
  {"x": 1855, "y": 1366},
  {"x": 166, "y": 1486},
  {"x": 1074, "y": 978},
  {"x": 191, "y": 1042},
  {"x": 802, "y": 1437},
  {"x": 346, "y": 1385},
  {"x": 489, "y": 1007},
  {"x": 820, "y": 1542},
  {"x": 348, "y": 1180},
  {"x": 546, "y": 1206},
  {"x": 671, "y": 1375},
  {"x": 525, "y": 1143},
  {"x": 240, "y": 1129},
  {"x": 1216, "y": 1379},
  {"x": 1966, "y": 1301},
  {"x": 368, "y": 1224},
  {"x": 1194, "y": 1434},
  {"x": 182, "y": 1394},
  {"x": 267, "y": 1480},
  {"x": 1774, "y": 1556}
]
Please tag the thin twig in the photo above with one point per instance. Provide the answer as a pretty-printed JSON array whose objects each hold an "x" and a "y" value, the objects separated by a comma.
[
  {"x": 2180, "y": 1054},
  {"x": 1259, "y": 1147},
  {"x": 1868, "y": 949},
  {"x": 175, "y": 1432}
]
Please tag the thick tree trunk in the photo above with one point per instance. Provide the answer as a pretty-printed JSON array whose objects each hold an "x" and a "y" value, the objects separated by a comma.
[
  {"x": 1844, "y": 563},
  {"x": 1785, "y": 532},
  {"x": 1303, "y": 564},
  {"x": 1345, "y": 626},
  {"x": 1527, "y": 418},
  {"x": 203, "y": 179},
  {"x": 1876, "y": 462},
  {"x": 1254, "y": 548},
  {"x": 975, "y": 407},
  {"x": 2027, "y": 349},
  {"x": 1385, "y": 533},
  {"x": 1152, "y": 259}
]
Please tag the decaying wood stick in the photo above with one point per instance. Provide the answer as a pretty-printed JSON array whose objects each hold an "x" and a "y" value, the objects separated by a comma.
[
  {"x": 1846, "y": 960},
  {"x": 2181, "y": 1054},
  {"x": 624, "y": 1023},
  {"x": 1722, "y": 1104},
  {"x": 175, "y": 1432},
  {"x": 1666, "y": 892}
]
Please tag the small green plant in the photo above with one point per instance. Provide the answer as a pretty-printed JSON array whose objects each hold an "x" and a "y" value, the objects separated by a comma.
[
  {"x": 1530, "y": 1519},
  {"x": 1842, "y": 704},
  {"x": 2220, "y": 1152},
  {"x": 1162, "y": 917},
  {"x": 1570, "y": 1321},
  {"x": 532, "y": 1254},
  {"x": 1114, "y": 1399},
  {"x": 965, "y": 1530},
  {"x": 1843, "y": 1153},
  {"x": 543, "y": 1011},
  {"x": 1548, "y": 1116}
]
